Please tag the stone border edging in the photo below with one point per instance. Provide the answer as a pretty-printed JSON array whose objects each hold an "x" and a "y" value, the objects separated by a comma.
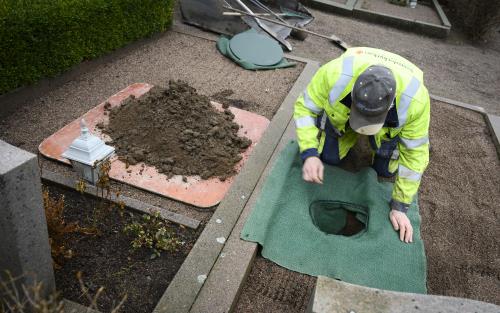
[
  {"x": 493, "y": 122},
  {"x": 187, "y": 283},
  {"x": 73, "y": 307},
  {"x": 223, "y": 286},
  {"x": 458, "y": 103},
  {"x": 354, "y": 8},
  {"x": 417, "y": 26},
  {"x": 131, "y": 203},
  {"x": 333, "y": 6},
  {"x": 442, "y": 16},
  {"x": 331, "y": 295}
]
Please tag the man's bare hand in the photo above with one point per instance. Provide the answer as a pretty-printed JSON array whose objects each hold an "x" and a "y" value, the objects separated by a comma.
[
  {"x": 312, "y": 170},
  {"x": 401, "y": 222}
]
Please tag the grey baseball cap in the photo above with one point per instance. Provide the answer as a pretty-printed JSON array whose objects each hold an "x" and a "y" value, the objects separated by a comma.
[{"x": 372, "y": 96}]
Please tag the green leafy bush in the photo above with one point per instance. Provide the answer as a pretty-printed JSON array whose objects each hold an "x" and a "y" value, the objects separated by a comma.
[
  {"x": 153, "y": 233},
  {"x": 41, "y": 38}
]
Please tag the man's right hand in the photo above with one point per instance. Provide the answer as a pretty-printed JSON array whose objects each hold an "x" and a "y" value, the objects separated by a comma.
[{"x": 312, "y": 170}]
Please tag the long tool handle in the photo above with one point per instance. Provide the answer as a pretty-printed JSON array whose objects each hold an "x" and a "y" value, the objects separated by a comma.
[
  {"x": 256, "y": 14},
  {"x": 262, "y": 6},
  {"x": 336, "y": 40}
]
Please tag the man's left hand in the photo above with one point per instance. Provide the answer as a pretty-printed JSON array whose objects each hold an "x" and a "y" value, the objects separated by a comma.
[{"x": 401, "y": 222}]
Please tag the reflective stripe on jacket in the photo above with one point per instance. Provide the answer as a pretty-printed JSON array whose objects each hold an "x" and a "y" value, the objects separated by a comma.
[{"x": 334, "y": 81}]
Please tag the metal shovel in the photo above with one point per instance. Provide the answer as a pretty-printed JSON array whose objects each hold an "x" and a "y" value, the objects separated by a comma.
[
  {"x": 285, "y": 43},
  {"x": 334, "y": 39}
]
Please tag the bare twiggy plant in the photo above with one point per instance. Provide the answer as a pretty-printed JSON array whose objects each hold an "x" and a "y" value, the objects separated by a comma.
[
  {"x": 93, "y": 299},
  {"x": 57, "y": 227},
  {"x": 31, "y": 299}
]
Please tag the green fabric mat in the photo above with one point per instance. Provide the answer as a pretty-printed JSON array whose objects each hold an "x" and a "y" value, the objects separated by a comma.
[
  {"x": 281, "y": 222},
  {"x": 223, "y": 47}
]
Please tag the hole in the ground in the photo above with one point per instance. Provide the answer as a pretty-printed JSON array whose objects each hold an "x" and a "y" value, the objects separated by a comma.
[{"x": 338, "y": 218}]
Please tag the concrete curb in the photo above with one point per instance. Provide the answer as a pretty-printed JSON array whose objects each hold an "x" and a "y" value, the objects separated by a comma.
[
  {"x": 442, "y": 16},
  {"x": 73, "y": 307},
  {"x": 332, "y": 6},
  {"x": 223, "y": 286},
  {"x": 189, "y": 280},
  {"x": 131, "y": 203},
  {"x": 331, "y": 295},
  {"x": 458, "y": 103},
  {"x": 493, "y": 122},
  {"x": 353, "y": 8},
  {"x": 436, "y": 30}
]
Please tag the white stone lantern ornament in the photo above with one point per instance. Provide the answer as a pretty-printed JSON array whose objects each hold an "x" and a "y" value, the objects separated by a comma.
[{"x": 87, "y": 153}]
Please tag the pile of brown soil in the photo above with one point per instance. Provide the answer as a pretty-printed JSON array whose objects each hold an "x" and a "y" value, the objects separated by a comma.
[
  {"x": 177, "y": 131},
  {"x": 108, "y": 260},
  {"x": 225, "y": 97}
]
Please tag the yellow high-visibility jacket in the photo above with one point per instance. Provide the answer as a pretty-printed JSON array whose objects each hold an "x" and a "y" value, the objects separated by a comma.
[{"x": 335, "y": 80}]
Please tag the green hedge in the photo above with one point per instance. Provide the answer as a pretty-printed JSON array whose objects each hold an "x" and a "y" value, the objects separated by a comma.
[{"x": 42, "y": 38}]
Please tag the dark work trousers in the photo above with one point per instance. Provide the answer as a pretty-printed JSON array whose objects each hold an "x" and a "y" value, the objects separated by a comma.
[{"x": 330, "y": 154}]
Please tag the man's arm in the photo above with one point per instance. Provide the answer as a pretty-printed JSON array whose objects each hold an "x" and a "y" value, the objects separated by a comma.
[
  {"x": 413, "y": 149},
  {"x": 308, "y": 107}
]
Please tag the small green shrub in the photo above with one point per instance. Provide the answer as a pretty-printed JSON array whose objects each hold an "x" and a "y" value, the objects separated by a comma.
[
  {"x": 42, "y": 38},
  {"x": 153, "y": 233}
]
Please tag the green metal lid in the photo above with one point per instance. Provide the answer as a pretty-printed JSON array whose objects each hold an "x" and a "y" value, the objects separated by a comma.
[{"x": 256, "y": 48}]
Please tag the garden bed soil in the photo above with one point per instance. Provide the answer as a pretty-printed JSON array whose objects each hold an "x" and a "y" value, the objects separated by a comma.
[
  {"x": 459, "y": 201},
  {"x": 272, "y": 288},
  {"x": 459, "y": 204},
  {"x": 108, "y": 260},
  {"x": 177, "y": 131}
]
